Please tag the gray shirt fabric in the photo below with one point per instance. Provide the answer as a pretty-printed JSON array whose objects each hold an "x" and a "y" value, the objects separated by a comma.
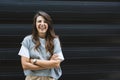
[{"x": 27, "y": 50}]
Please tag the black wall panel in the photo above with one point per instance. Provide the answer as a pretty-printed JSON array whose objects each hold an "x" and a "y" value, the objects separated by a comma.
[{"x": 89, "y": 31}]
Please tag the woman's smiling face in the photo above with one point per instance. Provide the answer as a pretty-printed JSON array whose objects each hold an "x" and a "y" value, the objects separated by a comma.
[{"x": 41, "y": 25}]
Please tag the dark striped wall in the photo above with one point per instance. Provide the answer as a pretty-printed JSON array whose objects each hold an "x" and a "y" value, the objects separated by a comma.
[{"x": 89, "y": 31}]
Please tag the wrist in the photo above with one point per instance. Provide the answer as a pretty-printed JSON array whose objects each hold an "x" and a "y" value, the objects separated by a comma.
[{"x": 34, "y": 61}]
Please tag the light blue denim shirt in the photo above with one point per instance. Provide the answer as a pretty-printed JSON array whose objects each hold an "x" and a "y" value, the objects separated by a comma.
[{"x": 27, "y": 50}]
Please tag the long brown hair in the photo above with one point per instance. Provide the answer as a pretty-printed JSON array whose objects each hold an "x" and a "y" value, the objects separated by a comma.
[{"x": 50, "y": 34}]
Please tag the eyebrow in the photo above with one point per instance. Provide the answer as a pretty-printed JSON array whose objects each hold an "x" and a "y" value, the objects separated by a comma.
[{"x": 39, "y": 20}]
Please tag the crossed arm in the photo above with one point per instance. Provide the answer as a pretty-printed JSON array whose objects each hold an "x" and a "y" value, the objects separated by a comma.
[{"x": 27, "y": 63}]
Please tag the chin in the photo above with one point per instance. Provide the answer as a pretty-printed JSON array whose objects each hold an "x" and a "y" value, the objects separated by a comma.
[{"x": 43, "y": 32}]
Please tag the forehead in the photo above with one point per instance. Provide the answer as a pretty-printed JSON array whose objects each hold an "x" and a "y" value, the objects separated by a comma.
[{"x": 40, "y": 18}]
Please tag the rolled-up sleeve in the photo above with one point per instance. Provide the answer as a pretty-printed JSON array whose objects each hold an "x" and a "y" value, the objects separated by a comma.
[
  {"x": 24, "y": 48},
  {"x": 57, "y": 48}
]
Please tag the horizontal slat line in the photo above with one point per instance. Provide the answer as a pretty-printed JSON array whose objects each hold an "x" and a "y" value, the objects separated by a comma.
[
  {"x": 75, "y": 3},
  {"x": 73, "y": 49},
  {"x": 68, "y": 45},
  {"x": 68, "y": 35},
  {"x": 67, "y": 62},
  {"x": 61, "y": 0},
  {"x": 64, "y": 26}
]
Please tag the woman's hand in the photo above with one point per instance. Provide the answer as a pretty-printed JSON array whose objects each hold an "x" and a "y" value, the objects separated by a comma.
[
  {"x": 54, "y": 62},
  {"x": 56, "y": 59}
]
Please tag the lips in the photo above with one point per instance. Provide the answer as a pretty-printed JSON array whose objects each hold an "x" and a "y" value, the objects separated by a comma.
[{"x": 42, "y": 26}]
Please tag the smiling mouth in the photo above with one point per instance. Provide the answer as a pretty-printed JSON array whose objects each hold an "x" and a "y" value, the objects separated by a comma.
[{"x": 42, "y": 27}]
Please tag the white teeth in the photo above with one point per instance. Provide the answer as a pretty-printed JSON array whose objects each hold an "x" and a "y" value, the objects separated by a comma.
[{"x": 42, "y": 27}]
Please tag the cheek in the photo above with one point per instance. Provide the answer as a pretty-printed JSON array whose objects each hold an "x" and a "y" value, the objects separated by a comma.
[
  {"x": 37, "y": 24},
  {"x": 46, "y": 26}
]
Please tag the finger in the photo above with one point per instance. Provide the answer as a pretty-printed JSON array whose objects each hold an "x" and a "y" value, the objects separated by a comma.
[{"x": 55, "y": 55}]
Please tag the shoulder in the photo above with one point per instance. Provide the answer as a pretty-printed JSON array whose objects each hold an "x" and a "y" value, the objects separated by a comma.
[
  {"x": 28, "y": 37},
  {"x": 56, "y": 39},
  {"x": 27, "y": 40}
]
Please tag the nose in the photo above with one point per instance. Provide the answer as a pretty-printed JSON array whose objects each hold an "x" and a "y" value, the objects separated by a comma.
[{"x": 42, "y": 23}]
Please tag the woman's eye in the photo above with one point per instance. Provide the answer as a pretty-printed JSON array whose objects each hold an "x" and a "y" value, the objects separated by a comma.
[
  {"x": 39, "y": 21},
  {"x": 45, "y": 21}
]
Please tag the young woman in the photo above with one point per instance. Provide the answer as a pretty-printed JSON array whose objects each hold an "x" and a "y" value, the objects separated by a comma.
[{"x": 40, "y": 52}]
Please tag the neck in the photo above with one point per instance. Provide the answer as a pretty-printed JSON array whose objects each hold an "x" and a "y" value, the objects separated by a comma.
[{"x": 42, "y": 35}]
